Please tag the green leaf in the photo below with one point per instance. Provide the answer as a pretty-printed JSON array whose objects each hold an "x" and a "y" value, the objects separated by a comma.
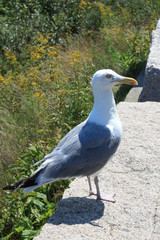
[
  {"x": 38, "y": 203},
  {"x": 41, "y": 131},
  {"x": 19, "y": 229},
  {"x": 41, "y": 195},
  {"x": 26, "y": 234},
  {"x": 8, "y": 236}
]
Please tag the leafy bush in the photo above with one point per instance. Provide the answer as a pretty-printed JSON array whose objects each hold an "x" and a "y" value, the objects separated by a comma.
[
  {"x": 22, "y": 215},
  {"x": 21, "y": 21}
]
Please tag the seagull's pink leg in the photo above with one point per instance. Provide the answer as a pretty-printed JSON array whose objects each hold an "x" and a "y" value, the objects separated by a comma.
[{"x": 96, "y": 192}]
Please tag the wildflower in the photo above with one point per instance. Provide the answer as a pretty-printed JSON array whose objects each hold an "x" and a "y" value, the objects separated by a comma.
[
  {"x": 76, "y": 60},
  {"x": 45, "y": 41},
  {"x": 9, "y": 79},
  {"x": 10, "y": 56},
  {"x": 76, "y": 54},
  {"x": 33, "y": 83},
  {"x": 53, "y": 52},
  {"x": 60, "y": 91},
  {"x": 1, "y": 79},
  {"x": 39, "y": 113},
  {"x": 37, "y": 52},
  {"x": 35, "y": 55},
  {"x": 75, "y": 57},
  {"x": 47, "y": 78},
  {"x": 37, "y": 94},
  {"x": 41, "y": 39},
  {"x": 82, "y": 4},
  {"x": 42, "y": 49}
]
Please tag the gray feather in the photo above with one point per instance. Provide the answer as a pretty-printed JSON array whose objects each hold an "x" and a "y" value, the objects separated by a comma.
[{"x": 82, "y": 152}]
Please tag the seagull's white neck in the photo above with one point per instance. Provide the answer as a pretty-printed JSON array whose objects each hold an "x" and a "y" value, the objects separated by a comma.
[{"x": 104, "y": 109}]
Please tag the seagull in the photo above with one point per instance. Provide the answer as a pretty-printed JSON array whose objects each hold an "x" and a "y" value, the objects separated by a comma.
[{"x": 86, "y": 149}]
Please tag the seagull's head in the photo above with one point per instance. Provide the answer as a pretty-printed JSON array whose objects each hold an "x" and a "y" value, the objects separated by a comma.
[{"x": 107, "y": 79}]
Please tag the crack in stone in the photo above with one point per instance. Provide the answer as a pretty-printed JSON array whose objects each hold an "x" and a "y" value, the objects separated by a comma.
[
  {"x": 154, "y": 217},
  {"x": 147, "y": 170}
]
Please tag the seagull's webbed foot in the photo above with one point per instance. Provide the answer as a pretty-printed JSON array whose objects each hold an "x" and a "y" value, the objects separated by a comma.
[
  {"x": 106, "y": 197},
  {"x": 92, "y": 192},
  {"x": 96, "y": 192}
]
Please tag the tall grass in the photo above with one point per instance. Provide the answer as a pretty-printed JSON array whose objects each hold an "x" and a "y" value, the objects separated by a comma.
[{"x": 45, "y": 91}]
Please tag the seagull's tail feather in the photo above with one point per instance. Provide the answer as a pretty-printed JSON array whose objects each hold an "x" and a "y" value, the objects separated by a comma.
[
  {"x": 30, "y": 189},
  {"x": 29, "y": 184}
]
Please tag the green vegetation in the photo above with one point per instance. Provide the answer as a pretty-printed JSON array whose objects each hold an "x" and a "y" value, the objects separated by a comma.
[{"x": 49, "y": 52}]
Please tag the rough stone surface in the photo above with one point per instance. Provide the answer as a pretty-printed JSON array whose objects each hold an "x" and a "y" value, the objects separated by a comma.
[
  {"x": 133, "y": 94},
  {"x": 133, "y": 174},
  {"x": 151, "y": 89},
  {"x": 135, "y": 91}
]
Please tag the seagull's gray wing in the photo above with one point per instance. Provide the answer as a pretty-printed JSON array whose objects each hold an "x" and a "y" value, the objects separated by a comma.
[
  {"x": 70, "y": 136},
  {"x": 82, "y": 152}
]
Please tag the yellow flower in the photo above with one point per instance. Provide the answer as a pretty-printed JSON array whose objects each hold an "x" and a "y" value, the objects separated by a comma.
[
  {"x": 52, "y": 48},
  {"x": 41, "y": 39},
  {"x": 37, "y": 51},
  {"x": 60, "y": 91},
  {"x": 39, "y": 113},
  {"x": 69, "y": 91},
  {"x": 47, "y": 78},
  {"x": 52, "y": 53},
  {"x": 108, "y": 9},
  {"x": 33, "y": 83},
  {"x": 37, "y": 94},
  {"x": 35, "y": 55},
  {"x": 5, "y": 81},
  {"x": 10, "y": 56},
  {"x": 45, "y": 41},
  {"x": 75, "y": 57},
  {"x": 76, "y": 60},
  {"x": 82, "y": 4},
  {"x": 1, "y": 79},
  {"x": 9, "y": 79},
  {"x": 76, "y": 54},
  {"x": 42, "y": 49}
]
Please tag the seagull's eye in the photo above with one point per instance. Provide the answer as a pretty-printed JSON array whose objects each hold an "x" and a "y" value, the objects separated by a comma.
[{"x": 108, "y": 76}]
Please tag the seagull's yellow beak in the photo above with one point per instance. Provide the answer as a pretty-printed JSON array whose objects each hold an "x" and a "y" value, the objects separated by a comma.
[{"x": 127, "y": 80}]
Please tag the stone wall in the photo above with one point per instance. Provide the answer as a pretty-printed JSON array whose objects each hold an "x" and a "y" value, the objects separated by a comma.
[
  {"x": 133, "y": 174},
  {"x": 151, "y": 88}
]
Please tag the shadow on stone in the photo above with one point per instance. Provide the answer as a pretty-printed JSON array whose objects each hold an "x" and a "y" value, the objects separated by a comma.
[{"x": 76, "y": 210}]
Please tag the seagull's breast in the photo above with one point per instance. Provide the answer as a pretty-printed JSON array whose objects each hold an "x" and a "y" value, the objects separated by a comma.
[{"x": 115, "y": 127}]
